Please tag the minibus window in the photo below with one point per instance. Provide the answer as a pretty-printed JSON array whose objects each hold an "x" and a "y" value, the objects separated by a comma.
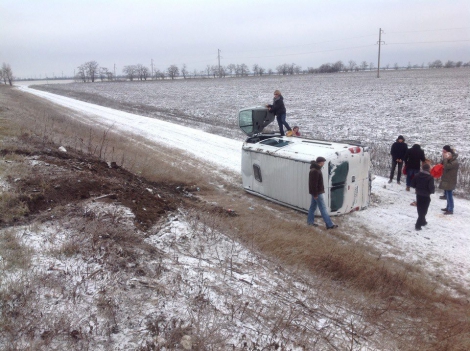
[
  {"x": 275, "y": 142},
  {"x": 338, "y": 174},
  {"x": 257, "y": 173}
]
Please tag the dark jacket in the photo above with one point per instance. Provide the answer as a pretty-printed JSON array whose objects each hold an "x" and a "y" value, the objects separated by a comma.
[
  {"x": 413, "y": 157},
  {"x": 315, "y": 180},
  {"x": 423, "y": 182},
  {"x": 278, "y": 107},
  {"x": 398, "y": 149},
  {"x": 449, "y": 176}
]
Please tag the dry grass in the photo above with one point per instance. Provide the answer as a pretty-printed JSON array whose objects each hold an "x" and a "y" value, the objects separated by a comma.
[
  {"x": 389, "y": 294},
  {"x": 15, "y": 256}
]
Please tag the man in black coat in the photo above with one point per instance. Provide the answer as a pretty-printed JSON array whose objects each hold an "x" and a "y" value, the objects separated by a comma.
[
  {"x": 398, "y": 151},
  {"x": 413, "y": 159},
  {"x": 423, "y": 182}
]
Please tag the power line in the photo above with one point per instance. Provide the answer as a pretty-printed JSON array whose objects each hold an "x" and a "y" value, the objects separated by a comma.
[
  {"x": 429, "y": 30},
  {"x": 312, "y": 52},
  {"x": 430, "y": 42},
  {"x": 303, "y": 45}
]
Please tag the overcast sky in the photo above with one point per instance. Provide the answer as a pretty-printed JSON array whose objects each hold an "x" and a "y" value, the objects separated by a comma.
[{"x": 47, "y": 37}]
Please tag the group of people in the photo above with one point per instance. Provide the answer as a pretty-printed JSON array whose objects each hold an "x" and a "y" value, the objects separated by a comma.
[
  {"x": 418, "y": 175},
  {"x": 411, "y": 161}
]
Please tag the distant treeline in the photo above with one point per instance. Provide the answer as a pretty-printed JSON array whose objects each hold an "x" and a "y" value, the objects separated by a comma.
[{"x": 91, "y": 71}]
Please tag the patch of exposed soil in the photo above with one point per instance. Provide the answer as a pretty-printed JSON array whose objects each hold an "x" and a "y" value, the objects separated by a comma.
[{"x": 60, "y": 178}]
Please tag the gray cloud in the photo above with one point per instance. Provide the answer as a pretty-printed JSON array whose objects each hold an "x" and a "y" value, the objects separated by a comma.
[{"x": 50, "y": 37}]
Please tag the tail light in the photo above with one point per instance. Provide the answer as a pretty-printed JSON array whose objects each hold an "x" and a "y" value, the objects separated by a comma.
[{"x": 354, "y": 149}]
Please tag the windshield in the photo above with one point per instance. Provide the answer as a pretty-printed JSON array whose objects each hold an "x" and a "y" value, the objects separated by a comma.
[
  {"x": 253, "y": 120},
  {"x": 245, "y": 121}
]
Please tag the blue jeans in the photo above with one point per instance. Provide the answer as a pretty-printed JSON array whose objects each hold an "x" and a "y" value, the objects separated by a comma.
[
  {"x": 320, "y": 202},
  {"x": 281, "y": 120},
  {"x": 410, "y": 173},
  {"x": 450, "y": 200}
]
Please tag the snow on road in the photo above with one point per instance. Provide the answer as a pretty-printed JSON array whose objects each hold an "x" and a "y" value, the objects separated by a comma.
[
  {"x": 442, "y": 247},
  {"x": 211, "y": 148}
]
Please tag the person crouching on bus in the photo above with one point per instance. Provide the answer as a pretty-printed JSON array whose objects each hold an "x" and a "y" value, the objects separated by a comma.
[
  {"x": 316, "y": 188},
  {"x": 294, "y": 132}
]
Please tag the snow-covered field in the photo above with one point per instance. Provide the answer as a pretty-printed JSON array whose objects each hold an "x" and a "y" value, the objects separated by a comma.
[
  {"x": 429, "y": 107},
  {"x": 441, "y": 247}
]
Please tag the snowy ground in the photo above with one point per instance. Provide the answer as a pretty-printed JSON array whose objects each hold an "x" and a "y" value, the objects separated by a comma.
[
  {"x": 429, "y": 107},
  {"x": 441, "y": 247}
]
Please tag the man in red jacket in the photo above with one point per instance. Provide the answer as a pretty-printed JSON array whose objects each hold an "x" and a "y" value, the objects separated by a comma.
[{"x": 317, "y": 189}]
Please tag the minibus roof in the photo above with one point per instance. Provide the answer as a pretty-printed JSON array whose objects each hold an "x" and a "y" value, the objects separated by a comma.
[{"x": 302, "y": 149}]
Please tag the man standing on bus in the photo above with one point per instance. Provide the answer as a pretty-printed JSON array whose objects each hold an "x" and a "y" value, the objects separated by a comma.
[
  {"x": 279, "y": 110},
  {"x": 317, "y": 189}
]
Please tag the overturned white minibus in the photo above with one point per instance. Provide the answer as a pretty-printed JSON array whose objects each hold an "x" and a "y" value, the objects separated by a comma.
[{"x": 277, "y": 167}]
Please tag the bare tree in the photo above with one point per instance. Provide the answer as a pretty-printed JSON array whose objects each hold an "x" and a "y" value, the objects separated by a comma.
[
  {"x": 145, "y": 72},
  {"x": 142, "y": 71},
  {"x": 255, "y": 69},
  {"x": 130, "y": 71},
  {"x": 91, "y": 69},
  {"x": 81, "y": 74},
  {"x": 371, "y": 66},
  {"x": 338, "y": 66},
  {"x": 395, "y": 66},
  {"x": 283, "y": 69},
  {"x": 159, "y": 74},
  {"x": 184, "y": 71},
  {"x": 352, "y": 65},
  {"x": 244, "y": 70},
  {"x": 7, "y": 73},
  {"x": 311, "y": 70},
  {"x": 295, "y": 69},
  {"x": 231, "y": 68},
  {"x": 449, "y": 64},
  {"x": 364, "y": 65},
  {"x": 173, "y": 71},
  {"x": 436, "y": 64},
  {"x": 103, "y": 73},
  {"x": 215, "y": 71},
  {"x": 222, "y": 71},
  {"x": 208, "y": 70}
]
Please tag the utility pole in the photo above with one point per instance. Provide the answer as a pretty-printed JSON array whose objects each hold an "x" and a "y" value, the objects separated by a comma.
[
  {"x": 380, "y": 42},
  {"x": 218, "y": 56}
]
